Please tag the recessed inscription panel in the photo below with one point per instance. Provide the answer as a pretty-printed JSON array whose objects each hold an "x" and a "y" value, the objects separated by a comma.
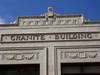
[
  {"x": 78, "y": 55},
  {"x": 50, "y": 21},
  {"x": 14, "y": 57},
  {"x": 22, "y": 56},
  {"x": 50, "y": 37}
]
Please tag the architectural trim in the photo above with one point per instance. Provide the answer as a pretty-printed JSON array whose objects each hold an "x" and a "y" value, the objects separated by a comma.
[{"x": 50, "y": 37}]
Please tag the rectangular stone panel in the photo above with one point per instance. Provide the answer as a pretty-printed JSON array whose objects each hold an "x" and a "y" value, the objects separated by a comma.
[
  {"x": 50, "y": 37},
  {"x": 21, "y": 56},
  {"x": 69, "y": 55}
]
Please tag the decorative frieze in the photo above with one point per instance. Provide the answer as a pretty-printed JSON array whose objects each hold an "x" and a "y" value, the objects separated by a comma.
[
  {"x": 26, "y": 22},
  {"x": 20, "y": 56},
  {"x": 78, "y": 55},
  {"x": 23, "y": 55}
]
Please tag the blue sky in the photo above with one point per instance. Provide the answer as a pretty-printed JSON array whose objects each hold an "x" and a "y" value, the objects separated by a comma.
[{"x": 11, "y": 9}]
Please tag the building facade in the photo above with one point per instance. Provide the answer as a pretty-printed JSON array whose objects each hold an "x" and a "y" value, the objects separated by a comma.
[{"x": 50, "y": 44}]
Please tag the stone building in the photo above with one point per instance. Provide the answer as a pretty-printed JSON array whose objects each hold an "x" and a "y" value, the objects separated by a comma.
[{"x": 50, "y": 44}]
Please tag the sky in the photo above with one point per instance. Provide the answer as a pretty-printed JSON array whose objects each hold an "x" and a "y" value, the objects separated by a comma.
[{"x": 11, "y": 9}]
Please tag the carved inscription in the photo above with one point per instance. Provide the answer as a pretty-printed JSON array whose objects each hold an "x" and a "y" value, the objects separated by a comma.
[
  {"x": 49, "y": 21},
  {"x": 50, "y": 37},
  {"x": 78, "y": 55},
  {"x": 20, "y": 56}
]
